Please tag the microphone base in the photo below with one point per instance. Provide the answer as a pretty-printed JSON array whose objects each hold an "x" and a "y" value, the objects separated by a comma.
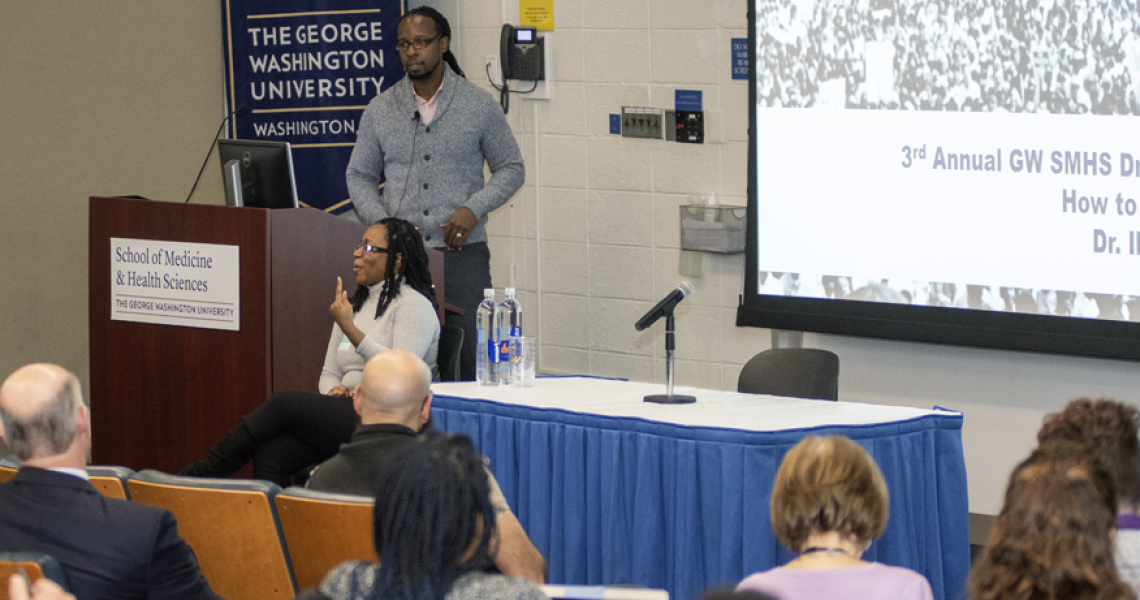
[{"x": 670, "y": 399}]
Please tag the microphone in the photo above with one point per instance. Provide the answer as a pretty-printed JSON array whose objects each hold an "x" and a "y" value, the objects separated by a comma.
[
  {"x": 665, "y": 306},
  {"x": 241, "y": 108},
  {"x": 411, "y": 158}
]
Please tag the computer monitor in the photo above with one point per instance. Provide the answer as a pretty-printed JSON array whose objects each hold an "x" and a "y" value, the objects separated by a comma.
[{"x": 258, "y": 173}]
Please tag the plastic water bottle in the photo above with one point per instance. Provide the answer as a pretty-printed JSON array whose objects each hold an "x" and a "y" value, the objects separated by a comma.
[
  {"x": 510, "y": 329},
  {"x": 487, "y": 341}
]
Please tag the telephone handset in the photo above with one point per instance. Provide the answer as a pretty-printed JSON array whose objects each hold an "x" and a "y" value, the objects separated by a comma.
[{"x": 520, "y": 54}]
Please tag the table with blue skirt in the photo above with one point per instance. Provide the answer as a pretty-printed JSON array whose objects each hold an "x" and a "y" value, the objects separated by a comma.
[{"x": 614, "y": 490}]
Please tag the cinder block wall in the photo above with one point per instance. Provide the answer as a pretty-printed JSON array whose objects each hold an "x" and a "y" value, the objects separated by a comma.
[{"x": 592, "y": 240}]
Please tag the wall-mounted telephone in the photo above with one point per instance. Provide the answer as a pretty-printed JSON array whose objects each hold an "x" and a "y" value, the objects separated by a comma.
[{"x": 521, "y": 54}]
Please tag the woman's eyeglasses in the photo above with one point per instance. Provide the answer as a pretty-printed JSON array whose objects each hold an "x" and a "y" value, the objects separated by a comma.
[{"x": 371, "y": 248}]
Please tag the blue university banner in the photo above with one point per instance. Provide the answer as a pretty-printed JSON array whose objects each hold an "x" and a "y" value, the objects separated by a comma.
[{"x": 305, "y": 70}]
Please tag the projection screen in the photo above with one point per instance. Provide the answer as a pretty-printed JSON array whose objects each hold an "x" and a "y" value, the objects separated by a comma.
[{"x": 950, "y": 171}]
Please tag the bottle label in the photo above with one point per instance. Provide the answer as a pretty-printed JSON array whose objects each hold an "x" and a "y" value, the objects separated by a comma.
[
  {"x": 505, "y": 351},
  {"x": 516, "y": 331},
  {"x": 493, "y": 351}
]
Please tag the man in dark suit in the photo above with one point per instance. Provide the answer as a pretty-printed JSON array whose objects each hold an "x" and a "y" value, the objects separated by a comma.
[
  {"x": 108, "y": 548},
  {"x": 394, "y": 403}
]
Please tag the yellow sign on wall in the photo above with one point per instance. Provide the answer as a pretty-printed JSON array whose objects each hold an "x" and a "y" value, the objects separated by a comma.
[{"x": 537, "y": 13}]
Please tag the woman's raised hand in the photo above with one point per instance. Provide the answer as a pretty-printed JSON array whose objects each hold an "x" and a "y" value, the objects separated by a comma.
[{"x": 341, "y": 309}]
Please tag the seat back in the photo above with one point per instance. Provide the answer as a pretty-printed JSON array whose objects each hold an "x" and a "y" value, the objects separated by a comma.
[
  {"x": 8, "y": 468},
  {"x": 323, "y": 530},
  {"x": 35, "y": 564},
  {"x": 231, "y": 525},
  {"x": 796, "y": 372},
  {"x": 450, "y": 345},
  {"x": 110, "y": 481}
]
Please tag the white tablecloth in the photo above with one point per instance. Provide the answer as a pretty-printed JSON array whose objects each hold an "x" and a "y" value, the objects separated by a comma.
[{"x": 730, "y": 410}]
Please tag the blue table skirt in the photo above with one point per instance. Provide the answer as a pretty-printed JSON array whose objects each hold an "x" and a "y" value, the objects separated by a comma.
[{"x": 612, "y": 500}]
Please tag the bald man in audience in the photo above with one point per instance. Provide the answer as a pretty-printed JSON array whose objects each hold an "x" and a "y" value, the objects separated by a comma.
[
  {"x": 394, "y": 403},
  {"x": 108, "y": 548}
]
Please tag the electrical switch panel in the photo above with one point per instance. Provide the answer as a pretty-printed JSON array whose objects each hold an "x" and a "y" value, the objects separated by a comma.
[
  {"x": 641, "y": 122},
  {"x": 690, "y": 126}
]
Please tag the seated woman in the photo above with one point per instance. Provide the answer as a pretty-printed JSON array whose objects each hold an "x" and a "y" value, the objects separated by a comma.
[
  {"x": 393, "y": 307},
  {"x": 434, "y": 530},
  {"x": 828, "y": 502},
  {"x": 1109, "y": 429},
  {"x": 1053, "y": 537}
]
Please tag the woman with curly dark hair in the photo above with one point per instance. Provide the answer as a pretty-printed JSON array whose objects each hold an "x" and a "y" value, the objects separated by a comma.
[
  {"x": 1053, "y": 538},
  {"x": 393, "y": 307},
  {"x": 1109, "y": 429}
]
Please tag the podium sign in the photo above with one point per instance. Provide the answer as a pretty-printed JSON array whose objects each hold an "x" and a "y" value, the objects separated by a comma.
[
  {"x": 162, "y": 395},
  {"x": 176, "y": 283}
]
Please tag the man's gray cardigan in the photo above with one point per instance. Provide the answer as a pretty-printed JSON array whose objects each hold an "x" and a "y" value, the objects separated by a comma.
[{"x": 441, "y": 163}]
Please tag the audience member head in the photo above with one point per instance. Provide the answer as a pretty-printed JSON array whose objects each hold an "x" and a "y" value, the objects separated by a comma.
[
  {"x": 405, "y": 262},
  {"x": 1108, "y": 428},
  {"x": 43, "y": 418},
  {"x": 434, "y": 521},
  {"x": 828, "y": 485},
  {"x": 395, "y": 388},
  {"x": 730, "y": 594},
  {"x": 1054, "y": 536}
]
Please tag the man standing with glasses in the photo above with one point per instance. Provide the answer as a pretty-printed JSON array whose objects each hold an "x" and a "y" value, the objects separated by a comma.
[{"x": 429, "y": 136}]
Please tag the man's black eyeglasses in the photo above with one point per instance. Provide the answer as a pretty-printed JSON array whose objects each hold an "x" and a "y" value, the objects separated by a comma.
[{"x": 403, "y": 45}]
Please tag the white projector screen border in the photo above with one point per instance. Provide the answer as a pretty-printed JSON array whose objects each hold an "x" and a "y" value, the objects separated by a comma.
[{"x": 948, "y": 172}]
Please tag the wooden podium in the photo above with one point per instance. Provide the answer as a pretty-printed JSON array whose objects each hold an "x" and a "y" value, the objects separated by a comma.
[{"x": 162, "y": 394}]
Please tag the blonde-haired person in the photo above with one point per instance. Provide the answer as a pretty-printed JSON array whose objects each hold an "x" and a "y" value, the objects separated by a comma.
[
  {"x": 829, "y": 502},
  {"x": 1053, "y": 537}
]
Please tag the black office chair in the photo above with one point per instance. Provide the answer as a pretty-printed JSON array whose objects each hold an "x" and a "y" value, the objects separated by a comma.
[
  {"x": 796, "y": 372},
  {"x": 450, "y": 347}
]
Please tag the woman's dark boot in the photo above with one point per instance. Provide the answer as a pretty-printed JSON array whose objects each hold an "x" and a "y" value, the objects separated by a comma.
[{"x": 227, "y": 456}]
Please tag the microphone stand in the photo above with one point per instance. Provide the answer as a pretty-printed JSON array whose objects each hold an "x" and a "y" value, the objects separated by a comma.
[{"x": 669, "y": 397}]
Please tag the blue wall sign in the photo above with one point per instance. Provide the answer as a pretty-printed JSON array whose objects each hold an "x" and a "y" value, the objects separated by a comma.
[
  {"x": 305, "y": 70},
  {"x": 740, "y": 58},
  {"x": 687, "y": 100}
]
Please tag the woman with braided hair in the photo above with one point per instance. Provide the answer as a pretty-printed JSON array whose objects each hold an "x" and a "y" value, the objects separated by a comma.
[
  {"x": 393, "y": 307},
  {"x": 435, "y": 531}
]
